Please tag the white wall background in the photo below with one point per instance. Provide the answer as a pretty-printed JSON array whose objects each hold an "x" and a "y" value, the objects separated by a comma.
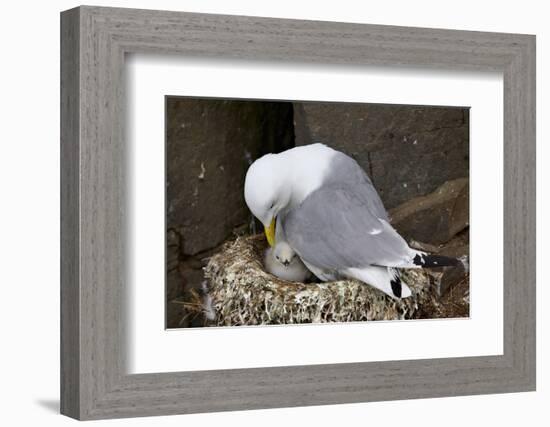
[{"x": 29, "y": 212}]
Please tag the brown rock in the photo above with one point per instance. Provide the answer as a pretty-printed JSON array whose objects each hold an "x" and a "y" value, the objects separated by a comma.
[
  {"x": 209, "y": 146},
  {"x": 172, "y": 250},
  {"x": 408, "y": 151},
  {"x": 451, "y": 284},
  {"x": 174, "y": 288},
  {"x": 458, "y": 246},
  {"x": 434, "y": 218},
  {"x": 174, "y": 285},
  {"x": 453, "y": 277},
  {"x": 447, "y": 277}
]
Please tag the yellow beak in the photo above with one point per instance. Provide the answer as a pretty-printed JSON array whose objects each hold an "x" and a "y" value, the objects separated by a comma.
[{"x": 270, "y": 233}]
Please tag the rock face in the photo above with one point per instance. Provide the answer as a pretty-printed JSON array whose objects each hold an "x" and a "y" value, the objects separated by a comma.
[
  {"x": 209, "y": 146},
  {"x": 408, "y": 151},
  {"x": 174, "y": 283},
  {"x": 436, "y": 217},
  {"x": 456, "y": 279}
]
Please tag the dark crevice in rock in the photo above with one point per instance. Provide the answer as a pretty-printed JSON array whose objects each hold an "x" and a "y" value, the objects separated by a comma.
[{"x": 210, "y": 144}]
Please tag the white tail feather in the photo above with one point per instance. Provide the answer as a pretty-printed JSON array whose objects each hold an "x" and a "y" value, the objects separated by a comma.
[{"x": 380, "y": 278}]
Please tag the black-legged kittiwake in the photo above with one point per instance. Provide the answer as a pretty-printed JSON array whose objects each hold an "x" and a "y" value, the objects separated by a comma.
[
  {"x": 324, "y": 205},
  {"x": 281, "y": 261}
]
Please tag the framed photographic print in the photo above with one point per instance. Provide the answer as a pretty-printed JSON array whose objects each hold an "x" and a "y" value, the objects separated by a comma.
[{"x": 282, "y": 213}]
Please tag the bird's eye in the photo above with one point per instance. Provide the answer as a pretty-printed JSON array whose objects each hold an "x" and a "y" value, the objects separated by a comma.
[{"x": 272, "y": 204}]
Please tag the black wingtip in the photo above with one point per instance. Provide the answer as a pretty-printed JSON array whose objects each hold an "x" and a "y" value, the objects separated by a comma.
[
  {"x": 396, "y": 286},
  {"x": 429, "y": 260}
]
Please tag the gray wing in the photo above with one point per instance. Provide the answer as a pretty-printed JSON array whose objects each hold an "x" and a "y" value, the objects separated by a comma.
[
  {"x": 337, "y": 227},
  {"x": 346, "y": 171}
]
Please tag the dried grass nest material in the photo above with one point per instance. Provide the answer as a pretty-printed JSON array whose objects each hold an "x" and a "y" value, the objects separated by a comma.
[{"x": 241, "y": 292}]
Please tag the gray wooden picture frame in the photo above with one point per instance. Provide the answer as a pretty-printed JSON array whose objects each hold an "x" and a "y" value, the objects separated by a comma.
[{"x": 94, "y": 382}]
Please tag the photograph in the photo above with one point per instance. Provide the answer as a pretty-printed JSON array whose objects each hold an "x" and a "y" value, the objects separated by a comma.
[
  {"x": 268, "y": 208},
  {"x": 296, "y": 212}
]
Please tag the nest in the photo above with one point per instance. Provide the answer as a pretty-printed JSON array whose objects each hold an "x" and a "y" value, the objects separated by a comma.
[{"x": 241, "y": 292}]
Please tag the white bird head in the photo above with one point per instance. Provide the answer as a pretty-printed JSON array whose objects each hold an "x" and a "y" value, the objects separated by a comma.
[
  {"x": 266, "y": 191},
  {"x": 284, "y": 253}
]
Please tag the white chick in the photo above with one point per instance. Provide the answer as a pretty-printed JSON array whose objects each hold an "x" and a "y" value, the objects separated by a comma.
[{"x": 282, "y": 261}]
